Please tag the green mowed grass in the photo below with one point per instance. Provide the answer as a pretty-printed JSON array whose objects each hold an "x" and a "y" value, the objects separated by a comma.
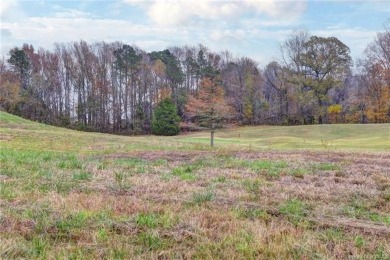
[
  {"x": 343, "y": 136},
  {"x": 371, "y": 137},
  {"x": 263, "y": 193}
]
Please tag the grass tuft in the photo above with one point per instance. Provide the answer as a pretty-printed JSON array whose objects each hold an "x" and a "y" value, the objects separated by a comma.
[{"x": 202, "y": 197}]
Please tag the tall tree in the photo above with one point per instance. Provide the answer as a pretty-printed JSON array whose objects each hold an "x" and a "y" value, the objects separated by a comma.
[
  {"x": 325, "y": 62},
  {"x": 276, "y": 79},
  {"x": 209, "y": 109},
  {"x": 9, "y": 88},
  {"x": 317, "y": 65},
  {"x": 375, "y": 73},
  {"x": 173, "y": 72},
  {"x": 127, "y": 62},
  {"x": 21, "y": 65}
]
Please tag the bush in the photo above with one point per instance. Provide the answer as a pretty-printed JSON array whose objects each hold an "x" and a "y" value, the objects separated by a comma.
[{"x": 165, "y": 119}]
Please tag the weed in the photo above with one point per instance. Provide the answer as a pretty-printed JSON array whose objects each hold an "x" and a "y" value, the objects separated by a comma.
[
  {"x": 360, "y": 210},
  {"x": 121, "y": 179},
  {"x": 63, "y": 186},
  {"x": 326, "y": 143},
  {"x": 42, "y": 215},
  {"x": 252, "y": 213},
  {"x": 47, "y": 157},
  {"x": 359, "y": 241},
  {"x": 102, "y": 235},
  {"x": 260, "y": 165},
  {"x": 149, "y": 220},
  {"x": 253, "y": 186},
  {"x": 294, "y": 209},
  {"x": 202, "y": 197},
  {"x": 332, "y": 234},
  {"x": 118, "y": 253},
  {"x": 7, "y": 190},
  {"x": 129, "y": 163},
  {"x": 221, "y": 179},
  {"x": 134, "y": 165},
  {"x": 82, "y": 176},
  {"x": 380, "y": 254},
  {"x": 71, "y": 222},
  {"x": 71, "y": 163},
  {"x": 298, "y": 172},
  {"x": 272, "y": 169},
  {"x": 160, "y": 162},
  {"x": 186, "y": 173},
  {"x": 386, "y": 195},
  {"x": 102, "y": 165},
  {"x": 150, "y": 241},
  {"x": 168, "y": 220},
  {"x": 166, "y": 177},
  {"x": 142, "y": 169},
  {"x": 324, "y": 167},
  {"x": 153, "y": 220},
  {"x": 244, "y": 243},
  {"x": 39, "y": 247}
]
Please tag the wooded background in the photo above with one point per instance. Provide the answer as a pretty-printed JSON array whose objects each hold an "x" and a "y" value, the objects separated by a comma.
[{"x": 114, "y": 87}]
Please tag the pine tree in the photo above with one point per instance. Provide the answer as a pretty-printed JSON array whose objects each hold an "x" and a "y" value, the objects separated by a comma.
[{"x": 165, "y": 119}]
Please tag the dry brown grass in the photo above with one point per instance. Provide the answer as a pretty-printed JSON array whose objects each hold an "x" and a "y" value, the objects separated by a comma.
[
  {"x": 67, "y": 194},
  {"x": 223, "y": 204}
]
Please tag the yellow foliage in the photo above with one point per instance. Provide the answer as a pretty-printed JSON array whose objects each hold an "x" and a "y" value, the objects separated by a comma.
[
  {"x": 335, "y": 109},
  {"x": 379, "y": 109},
  {"x": 9, "y": 95},
  {"x": 334, "y": 112}
]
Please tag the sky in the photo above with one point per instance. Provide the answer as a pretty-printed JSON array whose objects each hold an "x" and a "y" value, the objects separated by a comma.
[{"x": 251, "y": 28}]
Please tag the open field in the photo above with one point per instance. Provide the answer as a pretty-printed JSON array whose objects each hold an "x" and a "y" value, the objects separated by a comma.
[
  {"x": 346, "y": 137},
  {"x": 264, "y": 193}
]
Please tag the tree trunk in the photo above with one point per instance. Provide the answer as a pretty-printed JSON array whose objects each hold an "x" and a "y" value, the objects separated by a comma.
[{"x": 212, "y": 138}]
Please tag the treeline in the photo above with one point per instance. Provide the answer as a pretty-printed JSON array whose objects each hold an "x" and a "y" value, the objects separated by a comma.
[{"x": 114, "y": 87}]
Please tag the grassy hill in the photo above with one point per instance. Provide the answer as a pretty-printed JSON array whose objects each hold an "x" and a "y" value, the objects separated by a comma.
[
  {"x": 343, "y": 136},
  {"x": 265, "y": 192}
]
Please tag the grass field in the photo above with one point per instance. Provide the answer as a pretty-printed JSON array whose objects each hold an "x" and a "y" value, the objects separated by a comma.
[
  {"x": 346, "y": 137},
  {"x": 266, "y": 192}
]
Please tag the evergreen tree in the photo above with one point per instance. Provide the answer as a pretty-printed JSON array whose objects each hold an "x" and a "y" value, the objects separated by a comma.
[
  {"x": 165, "y": 118},
  {"x": 22, "y": 66}
]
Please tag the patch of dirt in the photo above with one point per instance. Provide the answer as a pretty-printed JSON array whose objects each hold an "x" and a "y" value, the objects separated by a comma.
[
  {"x": 3, "y": 177},
  {"x": 352, "y": 225},
  {"x": 4, "y": 137},
  {"x": 170, "y": 156}
]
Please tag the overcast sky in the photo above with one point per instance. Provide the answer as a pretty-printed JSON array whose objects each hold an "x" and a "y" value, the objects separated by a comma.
[{"x": 252, "y": 28}]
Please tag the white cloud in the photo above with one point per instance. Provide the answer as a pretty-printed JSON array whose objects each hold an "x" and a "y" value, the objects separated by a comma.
[
  {"x": 11, "y": 10},
  {"x": 71, "y": 13},
  {"x": 184, "y": 12},
  {"x": 151, "y": 45},
  {"x": 45, "y": 31},
  {"x": 228, "y": 35},
  {"x": 178, "y": 13},
  {"x": 6, "y": 6},
  {"x": 278, "y": 9},
  {"x": 167, "y": 13}
]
